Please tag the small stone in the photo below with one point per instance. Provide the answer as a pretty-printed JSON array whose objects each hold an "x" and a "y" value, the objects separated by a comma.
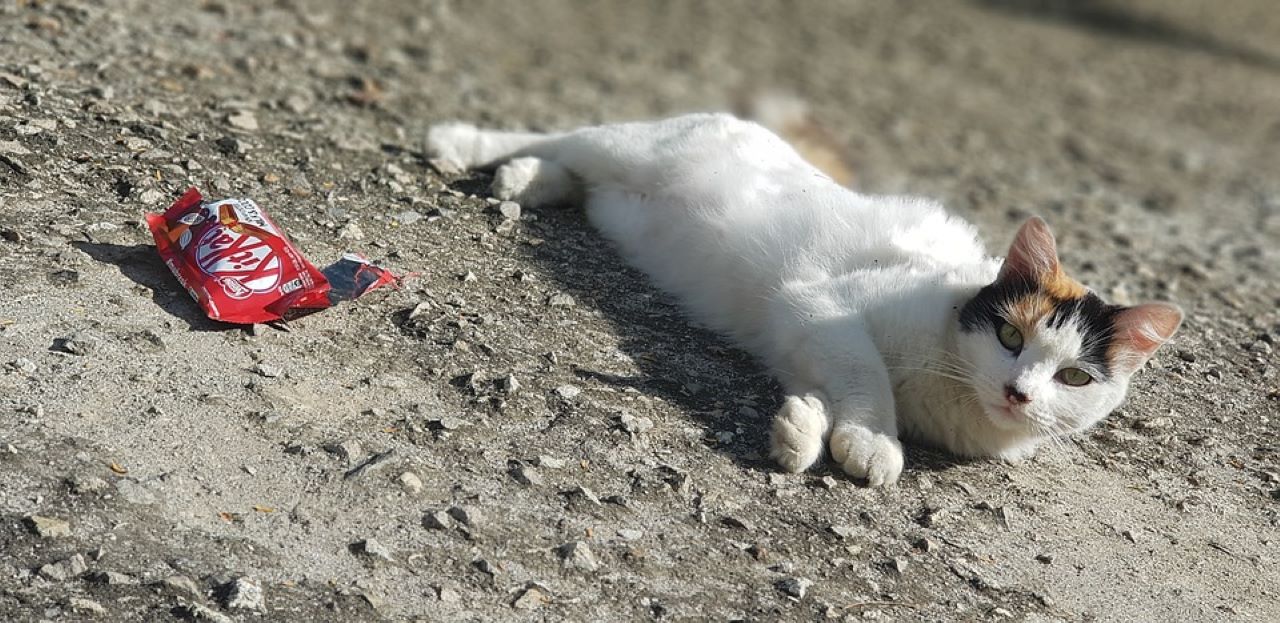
[
  {"x": 844, "y": 532},
  {"x": 485, "y": 567},
  {"x": 64, "y": 569},
  {"x": 232, "y": 146},
  {"x": 243, "y": 120},
  {"x": 79, "y": 345},
  {"x": 509, "y": 210},
  {"x": 351, "y": 231},
  {"x": 576, "y": 555},
  {"x": 410, "y": 482},
  {"x": 48, "y": 527},
  {"x": 561, "y": 300},
  {"x": 635, "y": 424},
  {"x": 349, "y": 450},
  {"x": 738, "y": 522},
  {"x": 1045, "y": 558},
  {"x": 628, "y": 534},
  {"x": 201, "y": 612},
  {"x": 1187, "y": 356},
  {"x": 85, "y": 606},
  {"x": 182, "y": 585},
  {"x": 549, "y": 462},
  {"x": 795, "y": 587},
  {"x": 373, "y": 548},
  {"x": 530, "y": 599},
  {"x": 24, "y": 365},
  {"x": 926, "y": 545},
  {"x": 568, "y": 392},
  {"x": 437, "y": 520},
  {"x": 1156, "y": 423},
  {"x": 899, "y": 564},
  {"x": 583, "y": 493},
  {"x": 509, "y": 384},
  {"x": 408, "y": 217},
  {"x": 243, "y": 593},
  {"x": 527, "y": 476},
  {"x": 267, "y": 371},
  {"x": 828, "y": 482},
  {"x": 113, "y": 578},
  {"x": 465, "y": 515},
  {"x": 448, "y": 595}
]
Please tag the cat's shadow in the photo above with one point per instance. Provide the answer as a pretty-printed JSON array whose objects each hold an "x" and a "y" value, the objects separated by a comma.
[{"x": 719, "y": 387}]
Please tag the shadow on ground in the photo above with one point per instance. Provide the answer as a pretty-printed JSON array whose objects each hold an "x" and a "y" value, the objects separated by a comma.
[{"x": 141, "y": 264}]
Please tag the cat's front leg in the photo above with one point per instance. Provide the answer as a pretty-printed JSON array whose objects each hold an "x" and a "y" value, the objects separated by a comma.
[{"x": 864, "y": 433}]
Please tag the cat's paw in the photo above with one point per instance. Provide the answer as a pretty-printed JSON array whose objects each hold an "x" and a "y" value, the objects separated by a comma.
[
  {"x": 864, "y": 453},
  {"x": 454, "y": 142},
  {"x": 798, "y": 432},
  {"x": 532, "y": 182}
]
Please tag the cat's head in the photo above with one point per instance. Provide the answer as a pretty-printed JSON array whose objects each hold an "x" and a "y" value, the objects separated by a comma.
[{"x": 1046, "y": 355}]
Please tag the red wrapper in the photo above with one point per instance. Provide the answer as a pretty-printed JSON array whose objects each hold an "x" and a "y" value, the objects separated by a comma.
[{"x": 235, "y": 261}]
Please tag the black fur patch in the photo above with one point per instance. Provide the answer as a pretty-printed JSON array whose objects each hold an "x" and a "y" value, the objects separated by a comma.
[{"x": 1094, "y": 317}]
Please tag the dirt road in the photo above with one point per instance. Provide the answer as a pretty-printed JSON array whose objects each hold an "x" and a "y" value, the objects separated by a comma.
[{"x": 546, "y": 438}]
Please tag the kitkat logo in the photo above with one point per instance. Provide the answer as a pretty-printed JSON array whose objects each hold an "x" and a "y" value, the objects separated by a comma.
[{"x": 241, "y": 263}]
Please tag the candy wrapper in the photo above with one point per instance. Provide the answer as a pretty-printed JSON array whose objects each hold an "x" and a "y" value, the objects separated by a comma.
[{"x": 240, "y": 266}]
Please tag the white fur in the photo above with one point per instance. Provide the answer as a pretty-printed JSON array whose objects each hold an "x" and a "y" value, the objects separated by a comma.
[{"x": 851, "y": 300}]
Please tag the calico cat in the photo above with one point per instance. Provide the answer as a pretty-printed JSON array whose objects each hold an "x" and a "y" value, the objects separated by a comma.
[{"x": 879, "y": 315}]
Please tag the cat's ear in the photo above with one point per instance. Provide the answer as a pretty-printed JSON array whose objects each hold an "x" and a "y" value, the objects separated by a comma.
[
  {"x": 1140, "y": 330},
  {"x": 1033, "y": 256}
]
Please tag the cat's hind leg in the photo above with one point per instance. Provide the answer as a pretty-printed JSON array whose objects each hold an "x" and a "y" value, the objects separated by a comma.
[
  {"x": 472, "y": 148},
  {"x": 800, "y": 430}
]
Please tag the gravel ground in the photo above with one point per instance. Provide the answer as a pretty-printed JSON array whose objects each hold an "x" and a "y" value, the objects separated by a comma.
[{"x": 545, "y": 437}]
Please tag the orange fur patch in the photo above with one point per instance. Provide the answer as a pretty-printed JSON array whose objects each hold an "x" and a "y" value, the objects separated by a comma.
[
  {"x": 1027, "y": 312},
  {"x": 1061, "y": 287}
]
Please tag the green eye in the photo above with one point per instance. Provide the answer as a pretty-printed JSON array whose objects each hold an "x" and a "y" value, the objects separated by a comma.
[
  {"x": 1010, "y": 337},
  {"x": 1074, "y": 377}
]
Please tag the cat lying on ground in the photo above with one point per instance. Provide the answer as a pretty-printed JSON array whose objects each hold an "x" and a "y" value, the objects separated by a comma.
[{"x": 880, "y": 316}]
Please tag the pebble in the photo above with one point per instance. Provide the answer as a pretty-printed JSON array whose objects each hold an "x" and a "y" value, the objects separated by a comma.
[
  {"x": 561, "y": 300},
  {"x": 408, "y": 217},
  {"x": 899, "y": 564},
  {"x": 267, "y": 371},
  {"x": 738, "y": 522},
  {"x": 509, "y": 384},
  {"x": 48, "y": 527},
  {"x": 795, "y": 587},
  {"x": 244, "y": 593},
  {"x": 448, "y": 595},
  {"x": 844, "y": 532},
  {"x": 232, "y": 146},
  {"x": 64, "y": 569},
  {"x": 86, "y": 606},
  {"x": 351, "y": 231},
  {"x": 348, "y": 449},
  {"x": 577, "y": 555},
  {"x": 24, "y": 365},
  {"x": 182, "y": 585},
  {"x": 509, "y": 210},
  {"x": 526, "y": 475},
  {"x": 629, "y": 534},
  {"x": 568, "y": 392},
  {"x": 465, "y": 515},
  {"x": 243, "y": 120},
  {"x": 1156, "y": 423},
  {"x": 78, "y": 345},
  {"x": 113, "y": 578},
  {"x": 374, "y": 548},
  {"x": 828, "y": 482},
  {"x": 583, "y": 493},
  {"x": 530, "y": 599},
  {"x": 1045, "y": 558},
  {"x": 926, "y": 545},
  {"x": 437, "y": 520},
  {"x": 549, "y": 462},
  {"x": 410, "y": 482},
  {"x": 635, "y": 424},
  {"x": 200, "y": 612}
]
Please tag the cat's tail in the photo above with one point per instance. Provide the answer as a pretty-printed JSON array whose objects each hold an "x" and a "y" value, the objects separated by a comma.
[{"x": 789, "y": 117}]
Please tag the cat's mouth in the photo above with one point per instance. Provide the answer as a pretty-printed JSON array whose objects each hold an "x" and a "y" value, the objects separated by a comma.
[{"x": 1006, "y": 416}]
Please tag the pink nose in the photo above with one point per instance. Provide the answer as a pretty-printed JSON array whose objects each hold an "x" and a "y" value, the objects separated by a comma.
[{"x": 1014, "y": 396}]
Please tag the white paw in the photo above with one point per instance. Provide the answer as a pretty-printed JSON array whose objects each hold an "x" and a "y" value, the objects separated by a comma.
[
  {"x": 532, "y": 182},
  {"x": 798, "y": 431},
  {"x": 454, "y": 142},
  {"x": 866, "y": 454}
]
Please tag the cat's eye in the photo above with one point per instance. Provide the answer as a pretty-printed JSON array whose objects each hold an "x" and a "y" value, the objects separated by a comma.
[
  {"x": 1010, "y": 337},
  {"x": 1074, "y": 377}
]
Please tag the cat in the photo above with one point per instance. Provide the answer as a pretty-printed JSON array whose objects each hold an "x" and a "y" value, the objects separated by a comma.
[{"x": 880, "y": 316}]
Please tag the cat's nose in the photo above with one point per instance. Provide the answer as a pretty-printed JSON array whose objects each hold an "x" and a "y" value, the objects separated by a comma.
[{"x": 1014, "y": 396}]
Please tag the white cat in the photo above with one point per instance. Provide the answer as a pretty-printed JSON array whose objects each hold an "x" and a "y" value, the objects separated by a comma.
[{"x": 879, "y": 315}]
